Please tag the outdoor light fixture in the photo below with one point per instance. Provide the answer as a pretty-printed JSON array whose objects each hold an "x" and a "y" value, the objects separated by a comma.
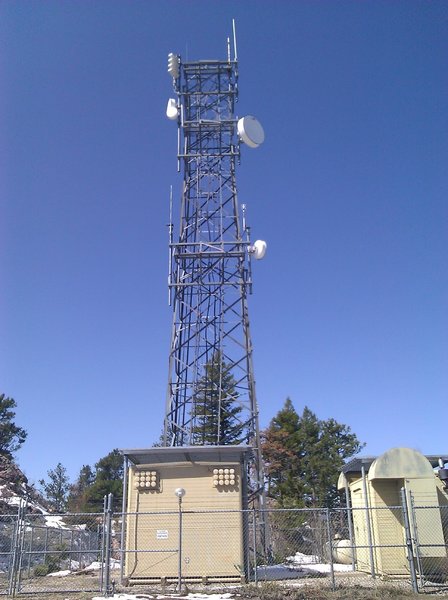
[{"x": 180, "y": 493}]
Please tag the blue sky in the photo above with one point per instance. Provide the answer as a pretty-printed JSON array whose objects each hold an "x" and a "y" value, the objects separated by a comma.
[{"x": 349, "y": 312}]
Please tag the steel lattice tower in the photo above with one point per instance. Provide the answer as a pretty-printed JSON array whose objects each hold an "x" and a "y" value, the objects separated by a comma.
[{"x": 210, "y": 264}]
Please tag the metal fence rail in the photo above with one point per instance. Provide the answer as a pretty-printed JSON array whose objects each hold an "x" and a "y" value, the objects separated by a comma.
[{"x": 102, "y": 552}]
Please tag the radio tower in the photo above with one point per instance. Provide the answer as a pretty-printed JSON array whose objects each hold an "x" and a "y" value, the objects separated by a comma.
[{"x": 211, "y": 388}]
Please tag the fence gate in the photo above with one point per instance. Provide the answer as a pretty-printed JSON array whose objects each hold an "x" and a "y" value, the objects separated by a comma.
[
  {"x": 429, "y": 533},
  {"x": 54, "y": 553}
]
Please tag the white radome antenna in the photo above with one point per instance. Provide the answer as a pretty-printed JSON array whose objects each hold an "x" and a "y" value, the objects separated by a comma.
[
  {"x": 258, "y": 250},
  {"x": 171, "y": 109},
  {"x": 250, "y": 131}
]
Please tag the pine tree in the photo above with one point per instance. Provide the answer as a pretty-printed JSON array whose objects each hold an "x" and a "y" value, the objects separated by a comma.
[
  {"x": 303, "y": 457},
  {"x": 77, "y": 494},
  {"x": 108, "y": 480},
  {"x": 336, "y": 444},
  {"x": 110, "y": 467},
  {"x": 278, "y": 445},
  {"x": 56, "y": 489},
  {"x": 216, "y": 410},
  {"x": 11, "y": 436}
]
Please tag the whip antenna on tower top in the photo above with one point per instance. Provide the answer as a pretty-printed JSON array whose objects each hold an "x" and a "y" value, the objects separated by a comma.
[{"x": 235, "y": 52}]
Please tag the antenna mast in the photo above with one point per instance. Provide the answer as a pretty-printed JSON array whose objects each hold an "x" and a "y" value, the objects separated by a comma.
[{"x": 209, "y": 276}]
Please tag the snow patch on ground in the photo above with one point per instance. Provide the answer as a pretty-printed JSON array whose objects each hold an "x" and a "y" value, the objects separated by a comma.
[
  {"x": 55, "y": 522},
  {"x": 298, "y": 565},
  {"x": 311, "y": 562},
  {"x": 13, "y": 501},
  {"x": 59, "y": 573},
  {"x": 96, "y": 566},
  {"x": 295, "y": 566}
]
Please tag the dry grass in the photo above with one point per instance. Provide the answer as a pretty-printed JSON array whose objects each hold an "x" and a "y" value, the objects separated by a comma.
[
  {"x": 272, "y": 591},
  {"x": 264, "y": 591},
  {"x": 269, "y": 593}
]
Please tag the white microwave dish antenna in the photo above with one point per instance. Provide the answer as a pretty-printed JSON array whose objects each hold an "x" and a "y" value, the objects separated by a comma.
[
  {"x": 258, "y": 250},
  {"x": 250, "y": 131}
]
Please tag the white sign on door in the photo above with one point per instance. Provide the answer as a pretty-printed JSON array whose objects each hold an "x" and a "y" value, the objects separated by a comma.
[{"x": 162, "y": 534}]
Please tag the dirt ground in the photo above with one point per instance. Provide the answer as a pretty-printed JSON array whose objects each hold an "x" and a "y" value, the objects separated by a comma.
[
  {"x": 342, "y": 593},
  {"x": 267, "y": 591},
  {"x": 347, "y": 588}
]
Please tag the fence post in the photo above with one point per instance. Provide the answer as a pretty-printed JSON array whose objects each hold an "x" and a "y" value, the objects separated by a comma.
[
  {"x": 124, "y": 517},
  {"x": 409, "y": 546},
  {"x": 254, "y": 535},
  {"x": 107, "y": 588},
  {"x": 30, "y": 554},
  {"x": 330, "y": 550},
  {"x": 71, "y": 550},
  {"x": 17, "y": 550},
  {"x": 103, "y": 534},
  {"x": 416, "y": 540},
  {"x": 368, "y": 523},
  {"x": 13, "y": 561},
  {"x": 350, "y": 521},
  {"x": 21, "y": 544}
]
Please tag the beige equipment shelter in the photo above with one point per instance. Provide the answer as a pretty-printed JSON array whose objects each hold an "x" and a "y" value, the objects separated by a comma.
[
  {"x": 373, "y": 487},
  {"x": 212, "y": 524}
]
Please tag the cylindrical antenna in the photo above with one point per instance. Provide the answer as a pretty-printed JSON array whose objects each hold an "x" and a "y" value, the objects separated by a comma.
[
  {"x": 249, "y": 264},
  {"x": 243, "y": 210},
  {"x": 178, "y": 148},
  {"x": 228, "y": 49},
  {"x": 235, "y": 52},
  {"x": 170, "y": 249},
  {"x": 178, "y": 136},
  {"x": 171, "y": 214}
]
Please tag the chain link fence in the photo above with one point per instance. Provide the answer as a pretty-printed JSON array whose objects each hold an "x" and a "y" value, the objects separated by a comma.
[
  {"x": 48, "y": 553},
  {"x": 109, "y": 551}
]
